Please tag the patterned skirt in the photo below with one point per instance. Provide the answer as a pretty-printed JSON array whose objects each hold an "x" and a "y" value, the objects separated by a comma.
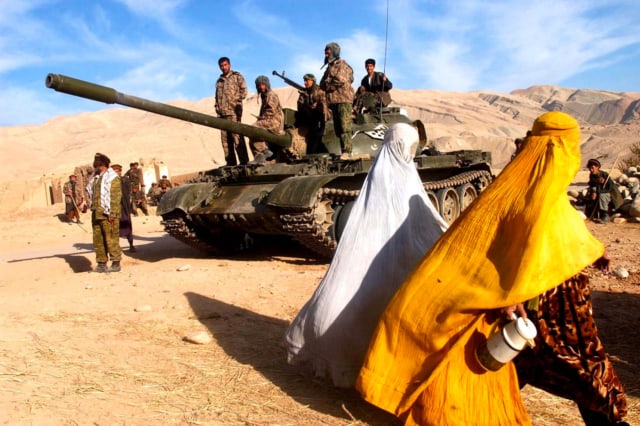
[{"x": 569, "y": 360}]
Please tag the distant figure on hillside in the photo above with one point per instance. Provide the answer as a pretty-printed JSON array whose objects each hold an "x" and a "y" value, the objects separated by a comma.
[{"x": 231, "y": 90}]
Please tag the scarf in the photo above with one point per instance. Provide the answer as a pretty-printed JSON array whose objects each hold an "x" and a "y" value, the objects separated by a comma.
[{"x": 105, "y": 189}]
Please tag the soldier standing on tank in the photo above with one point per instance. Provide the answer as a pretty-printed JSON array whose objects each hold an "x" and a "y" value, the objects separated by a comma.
[
  {"x": 312, "y": 114},
  {"x": 336, "y": 83},
  {"x": 105, "y": 190},
  {"x": 231, "y": 90},
  {"x": 375, "y": 84},
  {"x": 72, "y": 199},
  {"x": 271, "y": 118}
]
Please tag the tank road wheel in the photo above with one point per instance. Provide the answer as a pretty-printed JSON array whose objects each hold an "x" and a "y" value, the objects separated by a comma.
[
  {"x": 466, "y": 193},
  {"x": 449, "y": 204},
  {"x": 323, "y": 214},
  {"x": 340, "y": 219},
  {"x": 434, "y": 200}
]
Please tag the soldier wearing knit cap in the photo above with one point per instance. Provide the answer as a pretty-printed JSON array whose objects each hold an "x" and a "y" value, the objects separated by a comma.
[
  {"x": 270, "y": 118},
  {"x": 336, "y": 83}
]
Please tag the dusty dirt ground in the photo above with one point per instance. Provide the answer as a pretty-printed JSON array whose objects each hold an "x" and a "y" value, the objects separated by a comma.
[{"x": 79, "y": 348}]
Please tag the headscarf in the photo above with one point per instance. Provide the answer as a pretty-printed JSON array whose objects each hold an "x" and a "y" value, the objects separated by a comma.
[
  {"x": 263, "y": 79},
  {"x": 520, "y": 238},
  {"x": 391, "y": 225}
]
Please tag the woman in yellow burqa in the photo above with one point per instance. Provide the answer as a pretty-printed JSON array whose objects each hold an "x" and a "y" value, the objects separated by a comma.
[{"x": 519, "y": 239}]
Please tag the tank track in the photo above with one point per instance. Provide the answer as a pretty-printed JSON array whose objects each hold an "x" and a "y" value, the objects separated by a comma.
[
  {"x": 182, "y": 229},
  {"x": 306, "y": 228},
  {"x": 313, "y": 235},
  {"x": 304, "y": 225}
]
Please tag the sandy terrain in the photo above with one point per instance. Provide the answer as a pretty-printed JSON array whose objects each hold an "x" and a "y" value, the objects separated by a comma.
[{"x": 83, "y": 348}]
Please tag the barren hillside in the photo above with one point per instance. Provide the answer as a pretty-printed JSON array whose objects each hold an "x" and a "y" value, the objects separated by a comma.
[{"x": 35, "y": 155}]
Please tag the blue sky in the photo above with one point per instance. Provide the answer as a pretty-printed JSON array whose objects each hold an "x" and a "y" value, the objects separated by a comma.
[{"x": 168, "y": 49}]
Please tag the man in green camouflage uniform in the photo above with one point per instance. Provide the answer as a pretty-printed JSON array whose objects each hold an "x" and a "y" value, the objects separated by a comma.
[
  {"x": 105, "y": 190},
  {"x": 271, "y": 118},
  {"x": 336, "y": 82},
  {"x": 231, "y": 90}
]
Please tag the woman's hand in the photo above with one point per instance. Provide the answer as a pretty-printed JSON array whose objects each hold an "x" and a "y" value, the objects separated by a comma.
[{"x": 510, "y": 312}]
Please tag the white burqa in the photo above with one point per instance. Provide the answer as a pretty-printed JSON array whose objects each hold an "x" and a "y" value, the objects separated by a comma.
[{"x": 390, "y": 228}]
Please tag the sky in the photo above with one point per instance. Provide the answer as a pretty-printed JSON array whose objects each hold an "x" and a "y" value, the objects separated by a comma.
[{"x": 166, "y": 50}]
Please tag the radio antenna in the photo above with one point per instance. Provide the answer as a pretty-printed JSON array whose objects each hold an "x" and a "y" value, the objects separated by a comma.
[{"x": 384, "y": 64}]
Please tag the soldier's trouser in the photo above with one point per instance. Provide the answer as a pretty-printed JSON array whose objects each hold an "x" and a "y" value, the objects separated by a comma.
[
  {"x": 72, "y": 212},
  {"x": 258, "y": 146},
  {"x": 106, "y": 239},
  {"x": 233, "y": 143},
  {"x": 604, "y": 199},
  {"x": 342, "y": 124}
]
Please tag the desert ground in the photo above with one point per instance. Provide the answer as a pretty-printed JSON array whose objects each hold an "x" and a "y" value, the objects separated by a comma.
[{"x": 80, "y": 348}]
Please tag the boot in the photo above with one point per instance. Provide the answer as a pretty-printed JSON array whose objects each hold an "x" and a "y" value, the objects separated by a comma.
[
  {"x": 261, "y": 157},
  {"x": 100, "y": 267},
  {"x": 115, "y": 266},
  {"x": 132, "y": 249},
  {"x": 604, "y": 216}
]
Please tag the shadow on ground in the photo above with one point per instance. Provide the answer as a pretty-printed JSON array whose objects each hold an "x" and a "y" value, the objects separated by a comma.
[
  {"x": 255, "y": 340},
  {"x": 617, "y": 317}
]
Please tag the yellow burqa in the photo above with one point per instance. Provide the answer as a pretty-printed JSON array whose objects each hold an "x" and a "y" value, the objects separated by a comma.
[{"x": 520, "y": 238}]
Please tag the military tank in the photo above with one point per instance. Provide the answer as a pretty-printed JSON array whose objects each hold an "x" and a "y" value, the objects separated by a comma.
[{"x": 307, "y": 197}]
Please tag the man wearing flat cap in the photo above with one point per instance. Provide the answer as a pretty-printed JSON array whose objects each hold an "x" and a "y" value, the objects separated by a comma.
[
  {"x": 105, "y": 190},
  {"x": 602, "y": 193}
]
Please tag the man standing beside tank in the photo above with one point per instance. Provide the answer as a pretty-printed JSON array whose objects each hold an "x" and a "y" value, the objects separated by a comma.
[
  {"x": 231, "y": 90},
  {"x": 105, "y": 190},
  {"x": 72, "y": 199},
  {"x": 312, "y": 114},
  {"x": 271, "y": 118},
  {"x": 375, "y": 83},
  {"x": 336, "y": 82}
]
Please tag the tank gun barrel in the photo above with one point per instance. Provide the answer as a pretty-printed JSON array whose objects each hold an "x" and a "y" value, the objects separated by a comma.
[
  {"x": 96, "y": 92},
  {"x": 288, "y": 81}
]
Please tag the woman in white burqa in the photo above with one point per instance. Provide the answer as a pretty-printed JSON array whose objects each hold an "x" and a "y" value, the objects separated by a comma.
[{"x": 390, "y": 228}]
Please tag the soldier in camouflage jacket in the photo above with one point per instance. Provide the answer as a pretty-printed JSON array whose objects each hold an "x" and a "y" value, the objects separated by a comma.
[
  {"x": 271, "y": 118},
  {"x": 231, "y": 90},
  {"x": 336, "y": 82}
]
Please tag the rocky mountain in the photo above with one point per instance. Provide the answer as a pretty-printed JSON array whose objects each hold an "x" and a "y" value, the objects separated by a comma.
[{"x": 476, "y": 120}]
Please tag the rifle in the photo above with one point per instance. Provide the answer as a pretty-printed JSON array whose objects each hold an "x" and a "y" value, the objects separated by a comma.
[{"x": 289, "y": 81}]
